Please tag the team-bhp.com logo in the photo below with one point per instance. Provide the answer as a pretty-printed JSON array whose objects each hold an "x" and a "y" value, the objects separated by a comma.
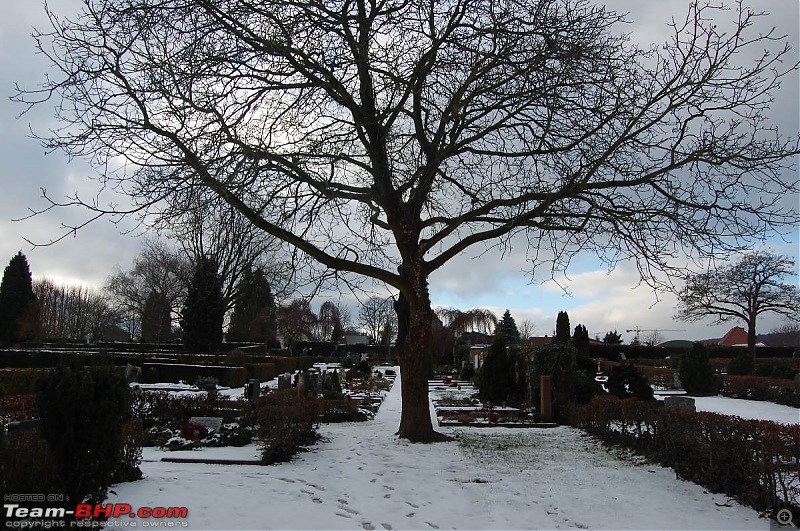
[{"x": 93, "y": 515}]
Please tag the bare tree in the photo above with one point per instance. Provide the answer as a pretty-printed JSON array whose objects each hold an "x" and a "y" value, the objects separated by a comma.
[
  {"x": 296, "y": 321},
  {"x": 474, "y": 320},
  {"x": 74, "y": 312},
  {"x": 378, "y": 318},
  {"x": 236, "y": 245},
  {"x": 156, "y": 270},
  {"x": 653, "y": 338},
  {"x": 330, "y": 322},
  {"x": 526, "y": 329},
  {"x": 743, "y": 290},
  {"x": 384, "y": 139}
]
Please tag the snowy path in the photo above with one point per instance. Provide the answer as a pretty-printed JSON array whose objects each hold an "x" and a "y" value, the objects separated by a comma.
[{"x": 363, "y": 477}]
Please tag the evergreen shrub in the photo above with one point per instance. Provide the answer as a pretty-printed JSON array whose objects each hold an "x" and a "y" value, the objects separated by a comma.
[
  {"x": 697, "y": 377},
  {"x": 83, "y": 411}
]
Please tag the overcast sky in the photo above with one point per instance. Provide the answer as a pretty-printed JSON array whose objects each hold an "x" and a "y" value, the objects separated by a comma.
[{"x": 600, "y": 300}]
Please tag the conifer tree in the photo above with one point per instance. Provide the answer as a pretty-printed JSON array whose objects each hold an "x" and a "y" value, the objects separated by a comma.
[
  {"x": 254, "y": 316},
  {"x": 156, "y": 318},
  {"x": 508, "y": 328},
  {"x": 19, "y": 315},
  {"x": 580, "y": 339},
  {"x": 495, "y": 378},
  {"x": 204, "y": 309},
  {"x": 612, "y": 338},
  {"x": 562, "y": 328}
]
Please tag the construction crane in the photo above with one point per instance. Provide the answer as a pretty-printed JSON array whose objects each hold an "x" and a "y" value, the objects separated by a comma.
[{"x": 639, "y": 330}]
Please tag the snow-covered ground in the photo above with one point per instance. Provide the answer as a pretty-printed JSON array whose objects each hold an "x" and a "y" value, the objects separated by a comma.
[
  {"x": 747, "y": 409},
  {"x": 363, "y": 477}
]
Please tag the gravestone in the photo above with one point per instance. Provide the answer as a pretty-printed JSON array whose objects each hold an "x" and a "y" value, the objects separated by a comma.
[
  {"x": 685, "y": 403},
  {"x": 285, "y": 381},
  {"x": 133, "y": 373},
  {"x": 676, "y": 380},
  {"x": 22, "y": 426},
  {"x": 252, "y": 389},
  {"x": 212, "y": 423}
]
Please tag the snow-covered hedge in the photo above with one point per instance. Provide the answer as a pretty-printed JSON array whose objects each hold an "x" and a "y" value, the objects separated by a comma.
[{"x": 757, "y": 462}]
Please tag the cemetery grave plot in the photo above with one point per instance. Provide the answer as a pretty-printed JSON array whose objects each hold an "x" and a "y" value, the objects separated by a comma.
[
  {"x": 219, "y": 414},
  {"x": 456, "y": 404}
]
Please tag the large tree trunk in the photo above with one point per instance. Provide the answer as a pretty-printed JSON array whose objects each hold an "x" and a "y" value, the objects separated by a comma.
[
  {"x": 414, "y": 316},
  {"x": 751, "y": 337}
]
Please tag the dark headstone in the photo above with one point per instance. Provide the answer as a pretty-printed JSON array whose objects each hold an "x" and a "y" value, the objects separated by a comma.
[{"x": 685, "y": 403}]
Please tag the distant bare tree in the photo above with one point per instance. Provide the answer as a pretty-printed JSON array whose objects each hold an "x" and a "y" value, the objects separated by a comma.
[
  {"x": 743, "y": 290},
  {"x": 526, "y": 329},
  {"x": 74, "y": 312},
  {"x": 652, "y": 338},
  {"x": 384, "y": 139},
  {"x": 378, "y": 318},
  {"x": 786, "y": 335},
  {"x": 236, "y": 245},
  {"x": 156, "y": 270},
  {"x": 296, "y": 321}
]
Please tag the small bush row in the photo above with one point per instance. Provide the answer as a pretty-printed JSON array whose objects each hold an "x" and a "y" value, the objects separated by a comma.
[
  {"x": 160, "y": 406},
  {"x": 756, "y": 462},
  {"x": 786, "y": 392}
]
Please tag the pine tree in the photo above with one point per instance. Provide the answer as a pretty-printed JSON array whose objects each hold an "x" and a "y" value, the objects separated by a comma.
[
  {"x": 562, "y": 328},
  {"x": 254, "y": 317},
  {"x": 204, "y": 309},
  {"x": 612, "y": 338},
  {"x": 19, "y": 315},
  {"x": 156, "y": 318},
  {"x": 507, "y": 327}
]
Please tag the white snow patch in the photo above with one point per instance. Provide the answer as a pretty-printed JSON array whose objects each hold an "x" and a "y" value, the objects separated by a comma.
[{"x": 361, "y": 476}]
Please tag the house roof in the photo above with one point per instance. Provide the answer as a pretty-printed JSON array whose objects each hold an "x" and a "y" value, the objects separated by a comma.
[{"x": 736, "y": 336}]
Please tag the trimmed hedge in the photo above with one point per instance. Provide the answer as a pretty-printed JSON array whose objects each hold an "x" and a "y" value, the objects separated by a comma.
[
  {"x": 786, "y": 392},
  {"x": 756, "y": 462},
  {"x": 263, "y": 372},
  {"x": 175, "y": 372}
]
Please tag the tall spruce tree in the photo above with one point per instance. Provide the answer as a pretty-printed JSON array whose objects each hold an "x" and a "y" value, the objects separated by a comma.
[
  {"x": 204, "y": 309},
  {"x": 156, "y": 318},
  {"x": 254, "y": 317},
  {"x": 19, "y": 315},
  {"x": 562, "y": 328},
  {"x": 508, "y": 328}
]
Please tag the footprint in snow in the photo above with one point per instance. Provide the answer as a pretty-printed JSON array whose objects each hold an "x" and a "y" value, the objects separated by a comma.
[
  {"x": 387, "y": 496},
  {"x": 342, "y": 501},
  {"x": 316, "y": 500},
  {"x": 368, "y": 526},
  {"x": 387, "y": 527},
  {"x": 343, "y": 515},
  {"x": 410, "y": 515},
  {"x": 433, "y": 526},
  {"x": 413, "y": 505},
  {"x": 373, "y": 480},
  {"x": 304, "y": 491}
]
